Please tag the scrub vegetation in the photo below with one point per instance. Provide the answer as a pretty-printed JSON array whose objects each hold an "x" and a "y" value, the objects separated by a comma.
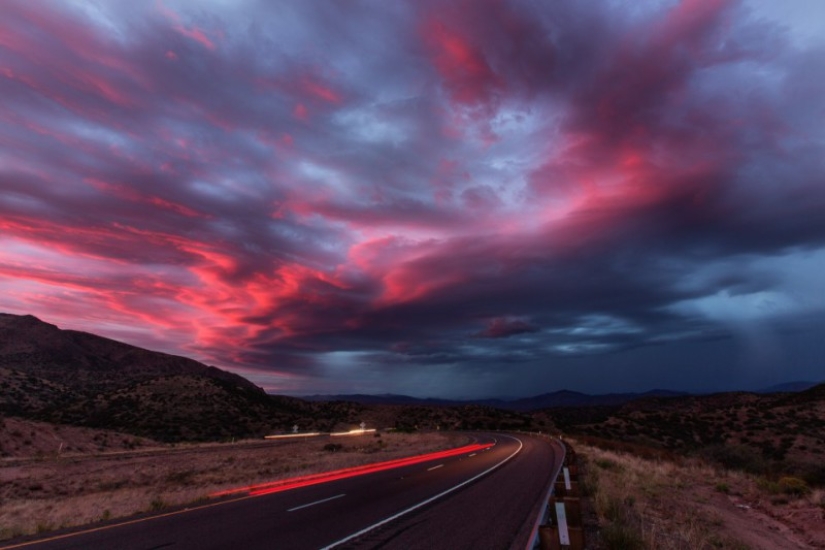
[{"x": 772, "y": 436}]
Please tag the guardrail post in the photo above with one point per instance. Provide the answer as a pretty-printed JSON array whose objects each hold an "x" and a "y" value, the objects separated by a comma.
[
  {"x": 560, "y": 490},
  {"x": 564, "y": 529}
]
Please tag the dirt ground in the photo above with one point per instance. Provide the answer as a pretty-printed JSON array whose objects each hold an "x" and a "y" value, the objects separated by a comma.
[
  {"x": 49, "y": 490},
  {"x": 21, "y": 438},
  {"x": 766, "y": 522}
]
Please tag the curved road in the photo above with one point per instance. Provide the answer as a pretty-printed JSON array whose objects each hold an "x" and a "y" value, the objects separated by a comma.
[{"x": 481, "y": 500}]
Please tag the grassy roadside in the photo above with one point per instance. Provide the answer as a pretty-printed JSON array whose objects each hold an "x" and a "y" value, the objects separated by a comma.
[
  {"x": 655, "y": 503},
  {"x": 53, "y": 493}
]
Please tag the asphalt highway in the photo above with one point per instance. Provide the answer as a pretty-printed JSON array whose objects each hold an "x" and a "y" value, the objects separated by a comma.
[{"x": 485, "y": 499}]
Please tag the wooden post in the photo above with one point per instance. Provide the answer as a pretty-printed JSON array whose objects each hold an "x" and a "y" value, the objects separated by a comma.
[
  {"x": 549, "y": 538},
  {"x": 574, "y": 511},
  {"x": 565, "y": 531},
  {"x": 561, "y": 491}
]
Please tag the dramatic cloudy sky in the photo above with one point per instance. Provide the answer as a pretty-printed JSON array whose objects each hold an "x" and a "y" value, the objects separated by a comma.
[{"x": 445, "y": 198}]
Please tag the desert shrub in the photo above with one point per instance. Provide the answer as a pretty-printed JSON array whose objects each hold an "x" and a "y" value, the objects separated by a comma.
[
  {"x": 622, "y": 536},
  {"x": 607, "y": 464},
  {"x": 589, "y": 482},
  {"x": 180, "y": 478},
  {"x": 736, "y": 457},
  {"x": 333, "y": 447},
  {"x": 623, "y": 529},
  {"x": 723, "y": 488},
  {"x": 405, "y": 428},
  {"x": 111, "y": 485},
  {"x": 813, "y": 474},
  {"x": 793, "y": 486},
  {"x": 768, "y": 486},
  {"x": 157, "y": 504}
]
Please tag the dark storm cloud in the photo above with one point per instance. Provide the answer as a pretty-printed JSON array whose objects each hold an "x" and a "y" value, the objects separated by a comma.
[{"x": 320, "y": 194}]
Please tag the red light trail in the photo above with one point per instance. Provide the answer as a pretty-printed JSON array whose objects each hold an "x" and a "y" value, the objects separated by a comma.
[{"x": 314, "y": 479}]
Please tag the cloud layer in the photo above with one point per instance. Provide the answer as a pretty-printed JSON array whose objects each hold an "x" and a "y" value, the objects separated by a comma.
[{"x": 422, "y": 197}]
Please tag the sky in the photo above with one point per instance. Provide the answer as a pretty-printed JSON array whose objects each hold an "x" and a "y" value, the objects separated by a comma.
[{"x": 433, "y": 198}]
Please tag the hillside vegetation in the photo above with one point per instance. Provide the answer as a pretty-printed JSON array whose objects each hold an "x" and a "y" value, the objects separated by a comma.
[{"x": 769, "y": 435}]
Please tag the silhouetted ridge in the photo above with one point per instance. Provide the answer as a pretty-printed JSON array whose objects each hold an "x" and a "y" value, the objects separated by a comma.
[{"x": 73, "y": 377}]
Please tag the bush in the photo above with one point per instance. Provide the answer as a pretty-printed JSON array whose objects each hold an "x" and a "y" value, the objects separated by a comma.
[
  {"x": 606, "y": 464},
  {"x": 736, "y": 457},
  {"x": 813, "y": 474},
  {"x": 589, "y": 482},
  {"x": 793, "y": 486},
  {"x": 157, "y": 504},
  {"x": 622, "y": 536}
]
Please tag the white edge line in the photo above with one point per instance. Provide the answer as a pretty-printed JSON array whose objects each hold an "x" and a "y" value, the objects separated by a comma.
[
  {"x": 472, "y": 454},
  {"x": 435, "y": 468},
  {"x": 425, "y": 502},
  {"x": 316, "y": 502}
]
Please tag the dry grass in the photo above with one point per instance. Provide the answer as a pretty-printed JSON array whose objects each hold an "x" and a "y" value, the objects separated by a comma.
[
  {"x": 665, "y": 505},
  {"x": 39, "y": 495}
]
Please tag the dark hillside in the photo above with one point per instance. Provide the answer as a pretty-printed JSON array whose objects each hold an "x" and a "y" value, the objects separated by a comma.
[
  {"x": 70, "y": 377},
  {"x": 763, "y": 433}
]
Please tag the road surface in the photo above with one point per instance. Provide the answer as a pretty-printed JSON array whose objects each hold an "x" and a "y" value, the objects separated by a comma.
[{"x": 479, "y": 500}]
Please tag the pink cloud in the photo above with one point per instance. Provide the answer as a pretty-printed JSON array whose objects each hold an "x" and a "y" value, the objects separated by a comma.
[
  {"x": 196, "y": 34},
  {"x": 300, "y": 111},
  {"x": 126, "y": 192},
  {"x": 193, "y": 33},
  {"x": 319, "y": 91},
  {"x": 462, "y": 66}
]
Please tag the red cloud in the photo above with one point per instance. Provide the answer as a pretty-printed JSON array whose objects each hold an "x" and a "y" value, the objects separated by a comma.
[
  {"x": 502, "y": 327},
  {"x": 129, "y": 193},
  {"x": 300, "y": 112},
  {"x": 194, "y": 33},
  {"x": 319, "y": 91},
  {"x": 462, "y": 65}
]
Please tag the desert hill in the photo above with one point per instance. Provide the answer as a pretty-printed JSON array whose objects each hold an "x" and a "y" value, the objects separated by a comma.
[
  {"x": 82, "y": 360},
  {"x": 76, "y": 378},
  {"x": 760, "y": 433}
]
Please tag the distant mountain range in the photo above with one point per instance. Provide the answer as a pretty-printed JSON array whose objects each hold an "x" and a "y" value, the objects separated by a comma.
[
  {"x": 789, "y": 387},
  {"x": 563, "y": 398},
  {"x": 557, "y": 399}
]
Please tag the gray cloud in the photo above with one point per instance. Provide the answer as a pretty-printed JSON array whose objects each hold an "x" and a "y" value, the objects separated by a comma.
[{"x": 313, "y": 194}]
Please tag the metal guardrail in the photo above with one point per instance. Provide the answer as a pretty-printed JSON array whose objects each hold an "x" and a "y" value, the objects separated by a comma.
[{"x": 534, "y": 541}]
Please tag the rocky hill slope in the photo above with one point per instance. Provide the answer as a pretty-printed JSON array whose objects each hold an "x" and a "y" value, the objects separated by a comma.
[
  {"x": 76, "y": 378},
  {"x": 760, "y": 433}
]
